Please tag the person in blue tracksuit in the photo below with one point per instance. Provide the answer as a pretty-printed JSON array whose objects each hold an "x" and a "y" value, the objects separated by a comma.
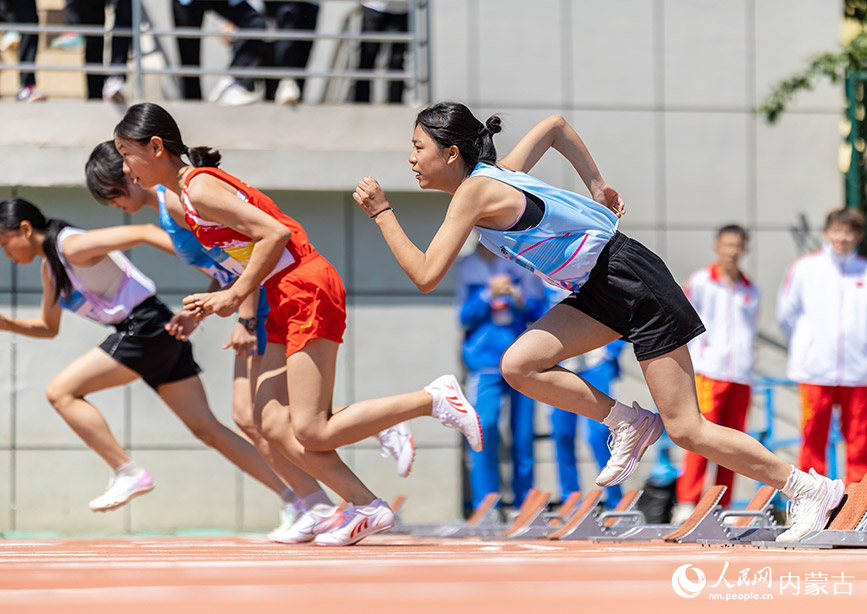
[{"x": 496, "y": 302}]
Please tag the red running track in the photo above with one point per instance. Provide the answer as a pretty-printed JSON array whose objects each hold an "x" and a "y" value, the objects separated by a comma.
[{"x": 405, "y": 575}]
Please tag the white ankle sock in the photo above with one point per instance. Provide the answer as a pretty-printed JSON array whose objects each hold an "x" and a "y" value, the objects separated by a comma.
[
  {"x": 620, "y": 414},
  {"x": 799, "y": 482},
  {"x": 315, "y": 499},
  {"x": 130, "y": 470}
]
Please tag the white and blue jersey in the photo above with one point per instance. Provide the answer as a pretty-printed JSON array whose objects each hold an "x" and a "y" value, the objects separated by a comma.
[
  {"x": 564, "y": 246},
  {"x": 105, "y": 292},
  {"x": 189, "y": 250}
]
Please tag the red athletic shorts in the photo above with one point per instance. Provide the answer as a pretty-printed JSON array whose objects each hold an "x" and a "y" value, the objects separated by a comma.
[{"x": 308, "y": 302}]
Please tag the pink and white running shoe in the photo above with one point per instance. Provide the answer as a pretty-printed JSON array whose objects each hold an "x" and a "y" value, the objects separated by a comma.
[
  {"x": 121, "y": 489},
  {"x": 628, "y": 442},
  {"x": 359, "y": 522},
  {"x": 451, "y": 407}
]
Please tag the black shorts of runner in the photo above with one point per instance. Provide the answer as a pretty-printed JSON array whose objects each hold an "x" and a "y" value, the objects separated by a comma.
[
  {"x": 142, "y": 344},
  {"x": 631, "y": 291}
]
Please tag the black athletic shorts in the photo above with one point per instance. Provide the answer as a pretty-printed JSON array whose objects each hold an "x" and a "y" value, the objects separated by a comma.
[
  {"x": 631, "y": 291},
  {"x": 142, "y": 344}
]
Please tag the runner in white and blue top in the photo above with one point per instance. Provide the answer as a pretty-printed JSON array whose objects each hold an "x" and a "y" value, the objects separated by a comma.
[
  {"x": 189, "y": 250},
  {"x": 85, "y": 272},
  {"x": 620, "y": 289}
]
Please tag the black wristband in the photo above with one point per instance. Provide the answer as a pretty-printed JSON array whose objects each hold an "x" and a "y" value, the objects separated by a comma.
[
  {"x": 249, "y": 323},
  {"x": 382, "y": 211}
]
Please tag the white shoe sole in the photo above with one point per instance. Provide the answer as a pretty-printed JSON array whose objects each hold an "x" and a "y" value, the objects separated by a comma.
[
  {"x": 360, "y": 536},
  {"x": 114, "y": 506}
]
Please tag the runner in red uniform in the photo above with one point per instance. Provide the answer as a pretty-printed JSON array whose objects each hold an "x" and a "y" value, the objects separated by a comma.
[{"x": 305, "y": 326}]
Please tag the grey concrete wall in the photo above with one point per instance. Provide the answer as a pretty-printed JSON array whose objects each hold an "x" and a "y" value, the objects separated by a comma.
[{"x": 663, "y": 93}]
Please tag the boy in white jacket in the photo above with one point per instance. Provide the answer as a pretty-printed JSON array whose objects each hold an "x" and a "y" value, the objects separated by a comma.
[
  {"x": 822, "y": 309},
  {"x": 728, "y": 304}
]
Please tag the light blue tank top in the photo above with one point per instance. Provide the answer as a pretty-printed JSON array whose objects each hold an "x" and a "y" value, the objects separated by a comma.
[
  {"x": 188, "y": 248},
  {"x": 564, "y": 246}
]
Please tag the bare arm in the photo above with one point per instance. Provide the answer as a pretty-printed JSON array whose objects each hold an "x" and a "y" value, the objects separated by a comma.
[
  {"x": 555, "y": 133},
  {"x": 425, "y": 269},
  {"x": 89, "y": 247},
  {"x": 216, "y": 201},
  {"x": 45, "y": 326}
]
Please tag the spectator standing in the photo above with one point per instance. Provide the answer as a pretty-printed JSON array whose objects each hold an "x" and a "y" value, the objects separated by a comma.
[
  {"x": 382, "y": 16},
  {"x": 821, "y": 308},
  {"x": 24, "y": 11},
  {"x": 728, "y": 304},
  {"x": 496, "y": 302},
  {"x": 248, "y": 52},
  {"x": 92, "y": 13},
  {"x": 289, "y": 53}
]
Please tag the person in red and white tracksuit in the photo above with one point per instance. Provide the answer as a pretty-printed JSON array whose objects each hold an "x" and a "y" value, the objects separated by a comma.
[
  {"x": 822, "y": 309},
  {"x": 728, "y": 304}
]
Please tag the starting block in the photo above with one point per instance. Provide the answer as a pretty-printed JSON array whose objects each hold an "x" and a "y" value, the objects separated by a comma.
[
  {"x": 586, "y": 524},
  {"x": 483, "y": 522},
  {"x": 529, "y": 522},
  {"x": 847, "y": 529}
]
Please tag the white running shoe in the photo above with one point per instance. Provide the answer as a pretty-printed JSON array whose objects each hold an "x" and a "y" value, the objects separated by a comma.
[
  {"x": 358, "y": 523},
  {"x": 288, "y": 515},
  {"x": 120, "y": 490},
  {"x": 628, "y": 442},
  {"x": 811, "y": 509},
  {"x": 287, "y": 92},
  {"x": 451, "y": 407},
  {"x": 112, "y": 89},
  {"x": 397, "y": 441},
  {"x": 315, "y": 521}
]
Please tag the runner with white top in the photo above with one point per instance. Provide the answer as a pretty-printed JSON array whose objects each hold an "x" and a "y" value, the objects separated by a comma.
[
  {"x": 620, "y": 289},
  {"x": 85, "y": 272}
]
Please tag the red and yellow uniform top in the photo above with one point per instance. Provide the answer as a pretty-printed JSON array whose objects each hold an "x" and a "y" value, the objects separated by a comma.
[
  {"x": 304, "y": 291},
  {"x": 237, "y": 246}
]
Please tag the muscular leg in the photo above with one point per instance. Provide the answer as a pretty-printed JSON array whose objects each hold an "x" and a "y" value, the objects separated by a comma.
[
  {"x": 310, "y": 378},
  {"x": 671, "y": 381},
  {"x": 246, "y": 373},
  {"x": 530, "y": 365},
  {"x": 273, "y": 415},
  {"x": 89, "y": 373}
]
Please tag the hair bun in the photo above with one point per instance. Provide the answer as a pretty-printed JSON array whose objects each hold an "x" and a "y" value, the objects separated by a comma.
[{"x": 493, "y": 124}]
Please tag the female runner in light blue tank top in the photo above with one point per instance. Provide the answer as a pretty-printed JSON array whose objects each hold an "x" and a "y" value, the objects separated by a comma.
[{"x": 620, "y": 289}]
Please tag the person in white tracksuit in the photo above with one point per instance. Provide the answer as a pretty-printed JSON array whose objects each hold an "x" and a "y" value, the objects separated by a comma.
[{"x": 822, "y": 309}]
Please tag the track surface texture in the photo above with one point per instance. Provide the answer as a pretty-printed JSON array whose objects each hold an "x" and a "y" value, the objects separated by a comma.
[{"x": 407, "y": 575}]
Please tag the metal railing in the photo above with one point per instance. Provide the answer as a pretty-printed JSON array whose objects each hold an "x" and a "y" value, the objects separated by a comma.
[{"x": 416, "y": 74}]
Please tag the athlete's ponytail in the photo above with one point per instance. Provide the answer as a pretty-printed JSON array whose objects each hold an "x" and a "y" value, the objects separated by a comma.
[
  {"x": 146, "y": 120},
  {"x": 15, "y": 210},
  {"x": 204, "y": 156},
  {"x": 452, "y": 123}
]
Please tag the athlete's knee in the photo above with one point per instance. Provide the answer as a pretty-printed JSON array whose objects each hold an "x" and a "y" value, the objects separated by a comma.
[
  {"x": 516, "y": 369},
  {"x": 243, "y": 418},
  {"x": 58, "y": 395},
  {"x": 272, "y": 423},
  {"x": 313, "y": 437},
  {"x": 689, "y": 434}
]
